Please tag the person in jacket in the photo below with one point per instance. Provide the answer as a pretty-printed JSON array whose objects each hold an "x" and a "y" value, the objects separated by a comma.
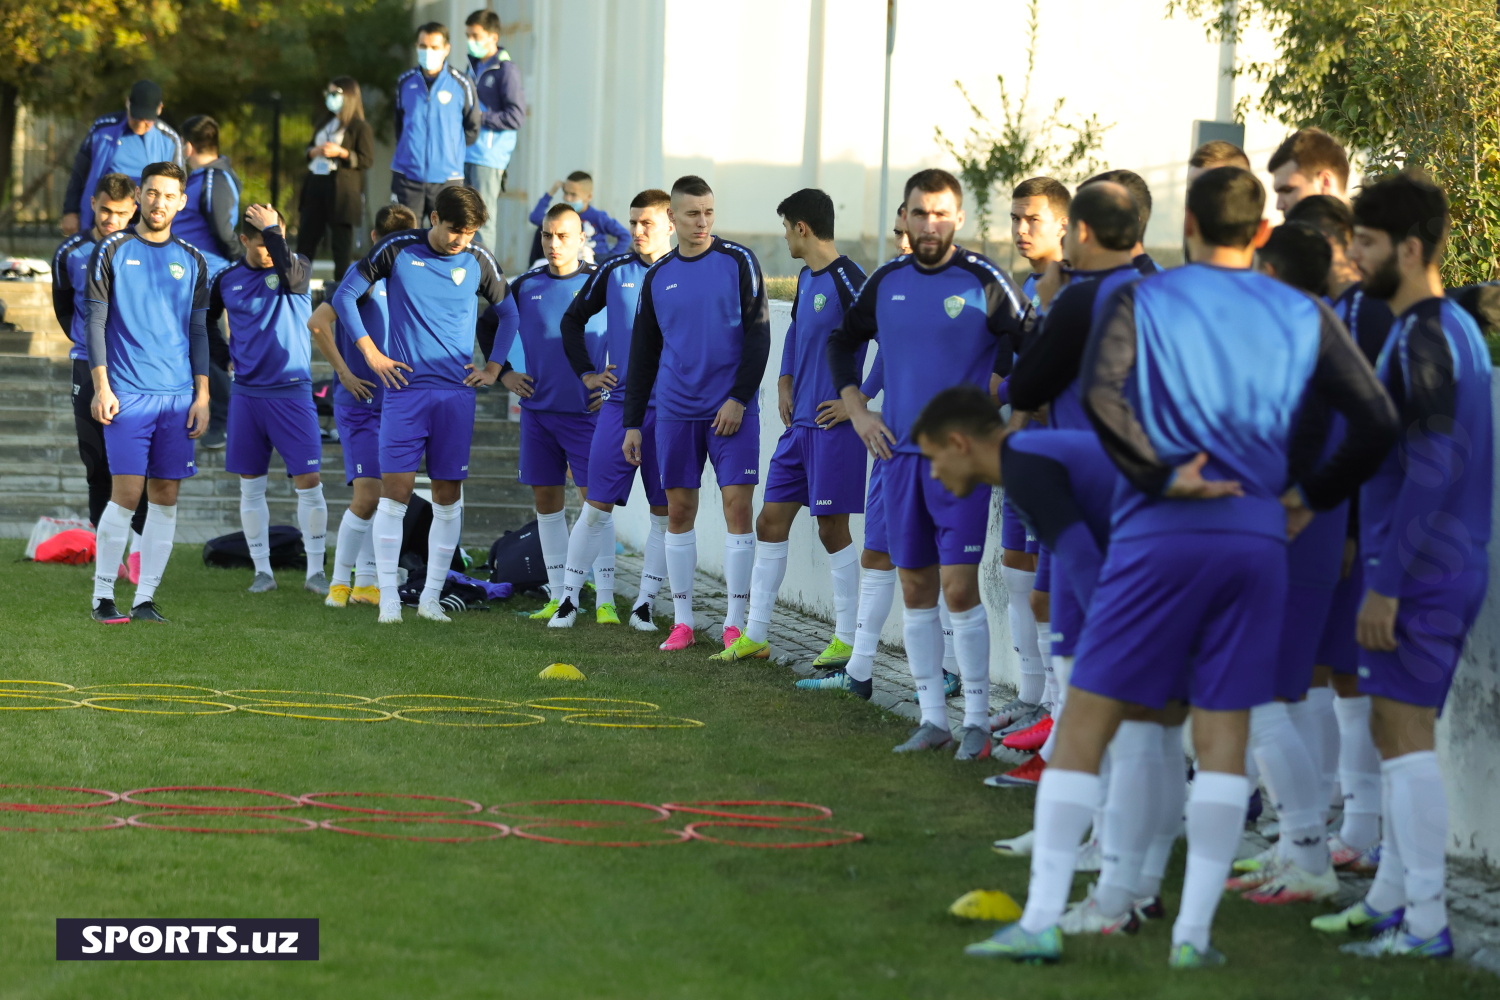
[{"x": 333, "y": 194}]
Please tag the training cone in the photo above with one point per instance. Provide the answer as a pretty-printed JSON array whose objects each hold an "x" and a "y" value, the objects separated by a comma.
[
  {"x": 562, "y": 672},
  {"x": 986, "y": 904}
]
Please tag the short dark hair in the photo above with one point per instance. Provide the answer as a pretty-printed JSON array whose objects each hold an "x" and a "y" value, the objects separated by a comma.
[
  {"x": 203, "y": 132},
  {"x": 248, "y": 228},
  {"x": 486, "y": 19},
  {"x": 580, "y": 177},
  {"x": 651, "y": 198},
  {"x": 1325, "y": 213},
  {"x": 966, "y": 408},
  {"x": 434, "y": 28},
  {"x": 1110, "y": 213},
  {"x": 691, "y": 185},
  {"x": 1300, "y": 256},
  {"x": 1135, "y": 184},
  {"x": 1405, "y": 206},
  {"x": 1313, "y": 150},
  {"x": 1228, "y": 204},
  {"x": 558, "y": 209},
  {"x": 166, "y": 168},
  {"x": 394, "y": 218},
  {"x": 809, "y": 206},
  {"x": 1045, "y": 187},
  {"x": 115, "y": 187},
  {"x": 932, "y": 181},
  {"x": 461, "y": 207},
  {"x": 1218, "y": 153}
]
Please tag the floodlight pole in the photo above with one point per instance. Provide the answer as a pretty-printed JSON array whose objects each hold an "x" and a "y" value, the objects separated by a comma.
[{"x": 885, "y": 133}]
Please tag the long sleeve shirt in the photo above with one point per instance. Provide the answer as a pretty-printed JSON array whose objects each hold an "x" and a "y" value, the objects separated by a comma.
[
  {"x": 70, "y": 278},
  {"x": 817, "y": 310},
  {"x": 605, "y": 235},
  {"x": 541, "y": 299},
  {"x": 146, "y": 307},
  {"x": 268, "y": 309},
  {"x": 502, "y": 104},
  {"x": 614, "y": 291},
  {"x": 211, "y": 212},
  {"x": 437, "y": 118},
  {"x": 375, "y": 316},
  {"x": 111, "y": 148}
]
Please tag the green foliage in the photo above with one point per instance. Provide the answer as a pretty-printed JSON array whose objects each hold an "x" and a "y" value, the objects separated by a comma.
[
  {"x": 1001, "y": 155},
  {"x": 784, "y": 289}
]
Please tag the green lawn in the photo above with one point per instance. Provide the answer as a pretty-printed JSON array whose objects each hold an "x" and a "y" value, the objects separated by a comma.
[{"x": 514, "y": 918}]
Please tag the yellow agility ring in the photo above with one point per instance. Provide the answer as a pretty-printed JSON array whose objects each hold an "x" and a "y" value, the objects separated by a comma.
[
  {"x": 66, "y": 702},
  {"x": 582, "y": 705},
  {"x": 160, "y": 692},
  {"x": 278, "y": 708},
  {"x": 611, "y": 720},
  {"x": 253, "y": 695},
  {"x": 387, "y": 700},
  {"x": 404, "y": 714},
  {"x": 56, "y": 687},
  {"x": 219, "y": 707}
]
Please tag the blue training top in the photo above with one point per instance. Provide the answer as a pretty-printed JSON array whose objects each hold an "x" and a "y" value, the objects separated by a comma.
[
  {"x": 534, "y": 311},
  {"x": 373, "y": 312},
  {"x": 817, "y": 310},
  {"x": 210, "y": 213},
  {"x": 613, "y": 289},
  {"x": 437, "y": 118},
  {"x": 70, "y": 278},
  {"x": 268, "y": 310},
  {"x": 111, "y": 148}
]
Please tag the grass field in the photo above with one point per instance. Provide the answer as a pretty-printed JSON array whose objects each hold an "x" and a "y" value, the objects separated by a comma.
[{"x": 513, "y": 918}]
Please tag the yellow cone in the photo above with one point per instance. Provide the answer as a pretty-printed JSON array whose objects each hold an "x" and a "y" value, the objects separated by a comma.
[
  {"x": 562, "y": 672},
  {"x": 986, "y": 904}
]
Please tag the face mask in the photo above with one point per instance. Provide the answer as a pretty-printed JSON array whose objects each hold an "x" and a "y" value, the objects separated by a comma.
[
  {"x": 577, "y": 206},
  {"x": 430, "y": 59},
  {"x": 476, "y": 50},
  {"x": 334, "y": 102}
]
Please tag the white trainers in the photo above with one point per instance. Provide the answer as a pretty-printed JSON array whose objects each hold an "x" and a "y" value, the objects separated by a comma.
[
  {"x": 432, "y": 611},
  {"x": 640, "y": 618},
  {"x": 390, "y": 611},
  {"x": 1016, "y": 847},
  {"x": 1294, "y": 884},
  {"x": 565, "y": 616},
  {"x": 1085, "y": 917}
]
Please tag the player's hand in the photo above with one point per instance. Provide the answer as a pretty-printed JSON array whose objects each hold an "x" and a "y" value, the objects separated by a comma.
[
  {"x": 1375, "y": 628},
  {"x": 105, "y": 406},
  {"x": 1351, "y": 553},
  {"x": 596, "y": 400},
  {"x": 1188, "y": 483},
  {"x": 784, "y": 401},
  {"x": 1053, "y": 280},
  {"x": 601, "y": 380},
  {"x": 386, "y": 369},
  {"x": 197, "y": 421},
  {"x": 519, "y": 383},
  {"x": 262, "y": 216},
  {"x": 481, "y": 376},
  {"x": 873, "y": 432},
  {"x": 356, "y": 387},
  {"x": 831, "y": 413},
  {"x": 727, "y": 420},
  {"x": 632, "y": 446},
  {"x": 69, "y": 224},
  {"x": 1298, "y": 514}
]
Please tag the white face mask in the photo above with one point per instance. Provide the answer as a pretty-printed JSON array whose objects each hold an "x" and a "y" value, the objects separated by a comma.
[
  {"x": 334, "y": 102},
  {"x": 430, "y": 59}
]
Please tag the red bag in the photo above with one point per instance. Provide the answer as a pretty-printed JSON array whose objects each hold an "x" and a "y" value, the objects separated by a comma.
[{"x": 74, "y": 547}]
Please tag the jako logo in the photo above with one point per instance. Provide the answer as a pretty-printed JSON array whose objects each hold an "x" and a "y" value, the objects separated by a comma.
[
  {"x": 825, "y": 503},
  {"x": 670, "y": 287},
  {"x": 973, "y": 548}
]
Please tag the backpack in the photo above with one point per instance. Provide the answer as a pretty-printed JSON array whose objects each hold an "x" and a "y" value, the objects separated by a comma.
[
  {"x": 460, "y": 593},
  {"x": 74, "y": 547},
  {"x": 322, "y": 393},
  {"x": 232, "y": 552},
  {"x": 414, "y": 538},
  {"x": 47, "y": 527},
  {"x": 516, "y": 558}
]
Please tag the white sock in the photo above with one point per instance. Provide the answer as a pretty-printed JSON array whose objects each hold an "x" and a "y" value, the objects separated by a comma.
[
  {"x": 843, "y": 565},
  {"x": 971, "y": 646},
  {"x": 156, "y": 549},
  {"x": 739, "y": 563},
  {"x": 945, "y": 619},
  {"x": 442, "y": 540},
  {"x": 682, "y": 562},
  {"x": 1106, "y": 769},
  {"x": 1295, "y": 785},
  {"x": 1061, "y": 668},
  {"x": 109, "y": 549},
  {"x": 1065, "y": 803},
  {"x": 1051, "y": 691},
  {"x": 255, "y": 518},
  {"x": 1389, "y": 889},
  {"x": 765, "y": 582},
  {"x": 1132, "y": 809},
  {"x": 1215, "y": 819},
  {"x": 584, "y": 543},
  {"x": 604, "y": 566},
  {"x": 364, "y": 563},
  {"x": 354, "y": 534},
  {"x": 877, "y": 591},
  {"x": 1419, "y": 824},
  {"x": 1359, "y": 773},
  {"x": 1315, "y": 719},
  {"x": 924, "y": 654},
  {"x": 653, "y": 562},
  {"x": 1023, "y": 633},
  {"x": 312, "y": 519},
  {"x": 1171, "y": 772},
  {"x": 552, "y": 532},
  {"x": 386, "y": 526}
]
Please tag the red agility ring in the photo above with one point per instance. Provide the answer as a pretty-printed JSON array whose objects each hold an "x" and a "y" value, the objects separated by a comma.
[
  {"x": 310, "y": 797},
  {"x": 844, "y": 836},
  {"x": 524, "y": 832},
  {"x": 292, "y": 800},
  {"x": 329, "y": 824},
  {"x": 696, "y": 808},
  {"x": 503, "y": 810},
  {"x": 119, "y": 821},
  {"x": 109, "y": 799},
  {"x": 136, "y": 820}
]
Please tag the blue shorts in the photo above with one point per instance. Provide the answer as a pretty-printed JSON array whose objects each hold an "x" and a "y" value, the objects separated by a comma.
[
  {"x": 149, "y": 437},
  {"x": 1301, "y": 635},
  {"x": 257, "y": 424},
  {"x": 359, "y": 436},
  {"x": 1013, "y": 533},
  {"x": 551, "y": 444},
  {"x": 1337, "y": 648},
  {"x": 1043, "y": 580},
  {"x": 610, "y": 476},
  {"x": 927, "y": 525},
  {"x": 1067, "y": 616},
  {"x": 1432, "y": 622},
  {"x": 1169, "y": 623},
  {"x": 823, "y": 470},
  {"x": 437, "y": 423},
  {"x": 682, "y": 446},
  {"x": 876, "y": 539}
]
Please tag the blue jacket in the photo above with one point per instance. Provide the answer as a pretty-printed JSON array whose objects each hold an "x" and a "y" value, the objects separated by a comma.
[
  {"x": 208, "y": 219},
  {"x": 436, "y": 120},
  {"x": 502, "y": 103},
  {"x": 111, "y": 148}
]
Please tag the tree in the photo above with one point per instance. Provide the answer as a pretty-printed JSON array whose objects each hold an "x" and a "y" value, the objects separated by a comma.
[{"x": 1001, "y": 157}]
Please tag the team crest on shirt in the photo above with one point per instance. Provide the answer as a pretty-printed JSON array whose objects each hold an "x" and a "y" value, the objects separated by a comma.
[
  {"x": 176, "y": 270},
  {"x": 953, "y": 305},
  {"x": 819, "y": 301},
  {"x": 457, "y": 274},
  {"x": 444, "y": 97},
  {"x": 273, "y": 281}
]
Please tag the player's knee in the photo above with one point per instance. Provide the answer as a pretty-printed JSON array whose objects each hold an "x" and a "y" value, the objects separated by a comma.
[
  {"x": 833, "y": 532},
  {"x": 1018, "y": 559},
  {"x": 919, "y": 591},
  {"x": 962, "y": 594},
  {"x": 307, "y": 481},
  {"x": 875, "y": 559}
]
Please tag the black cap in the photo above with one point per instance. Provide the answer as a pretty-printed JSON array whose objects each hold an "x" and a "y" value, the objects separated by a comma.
[{"x": 145, "y": 99}]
